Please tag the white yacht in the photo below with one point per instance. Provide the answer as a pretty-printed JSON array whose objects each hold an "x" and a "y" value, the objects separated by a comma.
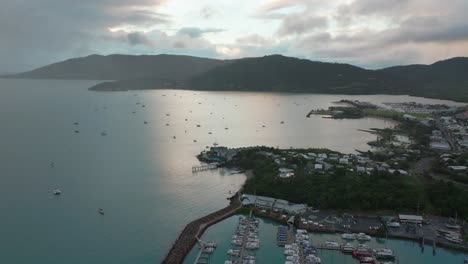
[{"x": 348, "y": 236}]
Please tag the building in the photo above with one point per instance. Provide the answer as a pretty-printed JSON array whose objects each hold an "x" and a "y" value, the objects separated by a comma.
[
  {"x": 414, "y": 219},
  {"x": 272, "y": 204}
]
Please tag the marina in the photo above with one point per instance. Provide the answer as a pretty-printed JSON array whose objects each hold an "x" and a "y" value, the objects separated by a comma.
[{"x": 329, "y": 248}]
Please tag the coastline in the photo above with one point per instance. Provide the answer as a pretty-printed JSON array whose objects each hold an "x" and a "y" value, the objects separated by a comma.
[
  {"x": 195, "y": 229},
  {"x": 188, "y": 237}
]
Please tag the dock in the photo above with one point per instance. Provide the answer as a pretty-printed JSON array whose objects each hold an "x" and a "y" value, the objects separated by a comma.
[
  {"x": 188, "y": 238},
  {"x": 204, "y": 167}
]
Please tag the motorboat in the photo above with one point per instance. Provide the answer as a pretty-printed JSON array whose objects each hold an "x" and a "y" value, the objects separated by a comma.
[
  {"x": 233, "y": 252},
  {"x": 211, "y": 244},
  {"x": 347, "y": 248},
  {"x": 208, "y": 250},
  {"x": 363, "y": 237},
  {"x": 56, "y": 191},
  {"x": 454, "y": 239},
  {"x": 348, "y": 236},
  {"x": 367, "y": 260},
  {"x": 312, "y": 259},
  {"x": 331, "y": 245},
  {"x": 236, "y": 242},
  {"x": 384, "y": 253},
  {"x": 252, "y": 245}
]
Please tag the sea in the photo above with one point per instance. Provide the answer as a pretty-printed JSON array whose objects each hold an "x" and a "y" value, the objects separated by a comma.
[{"x": 131, "y": 154}]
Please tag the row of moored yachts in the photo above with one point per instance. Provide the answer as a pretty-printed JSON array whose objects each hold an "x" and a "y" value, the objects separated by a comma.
[{"x": 244, "y": 240}]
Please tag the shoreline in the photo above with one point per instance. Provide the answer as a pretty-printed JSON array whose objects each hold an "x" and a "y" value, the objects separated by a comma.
[
  {"x": 195, "y": 229},
  {"x": 188, "y": 238}
]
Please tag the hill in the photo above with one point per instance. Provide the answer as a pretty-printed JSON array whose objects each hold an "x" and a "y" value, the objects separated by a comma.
[
  {"x": 280, "y": 73},
  {"x": 121, "y": 67},
  {"x": 447, "y": 79}
]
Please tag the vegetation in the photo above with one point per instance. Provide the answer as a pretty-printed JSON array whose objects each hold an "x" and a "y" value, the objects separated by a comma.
[
  {"x": 445, "y": 79},
  {"x": 344, "y": 189}
]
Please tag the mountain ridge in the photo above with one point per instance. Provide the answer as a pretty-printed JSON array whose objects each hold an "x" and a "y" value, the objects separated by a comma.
[{"x": 445, "y": 79}]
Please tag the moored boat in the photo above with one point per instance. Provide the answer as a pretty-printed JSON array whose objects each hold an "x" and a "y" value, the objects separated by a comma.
[{"x": 348, "y": 236}]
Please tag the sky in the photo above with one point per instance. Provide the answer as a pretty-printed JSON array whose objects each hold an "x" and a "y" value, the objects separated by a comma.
[{"x": 366, "y": 33}]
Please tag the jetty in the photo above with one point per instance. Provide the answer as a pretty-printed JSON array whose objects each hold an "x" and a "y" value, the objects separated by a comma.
[
  {"x": 188, "y": 238},
  {"x": 205, "y": 167}
]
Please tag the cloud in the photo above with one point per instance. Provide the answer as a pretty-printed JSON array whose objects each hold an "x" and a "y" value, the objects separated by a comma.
[
  {"x": 253, "y": 40},
  {"x": 207, "y": 12},
  {"x": 370, "y": 33},
  {"x": 195, "y": 32},
  {"x": 299, "y": 24},
  {"x": 40, "y": 32},
  {"x": 138, "y": 38}
]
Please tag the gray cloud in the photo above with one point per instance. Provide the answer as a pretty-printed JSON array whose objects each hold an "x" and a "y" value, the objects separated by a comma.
[
  {"x": 138, "y": 38},
  {"x": 38, "y": 32},
  {"x": 300, "y": 24},
  {"x": 195, "y": 32}
]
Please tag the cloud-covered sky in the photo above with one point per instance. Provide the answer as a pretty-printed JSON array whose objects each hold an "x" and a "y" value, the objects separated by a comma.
[{"x": 368, "y": 33}]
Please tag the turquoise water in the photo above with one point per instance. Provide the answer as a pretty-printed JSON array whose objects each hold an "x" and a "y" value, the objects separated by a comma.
[
  {"x": 138, "y": 173},
  {"x": 269, "y": 252}
]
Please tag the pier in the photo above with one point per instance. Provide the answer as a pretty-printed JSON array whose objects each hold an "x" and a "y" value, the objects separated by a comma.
[
  {"x": 188, "y": 238},
  {"x": 205, "y": 167}
]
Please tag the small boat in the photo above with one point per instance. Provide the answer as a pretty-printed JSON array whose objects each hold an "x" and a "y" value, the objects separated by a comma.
[
  {"x": 348, "y": 236},
  {"x": 76, "y": 123},
  {"x": 454, "y": 239},
  {"x": 331, "y": 245},
  {"x": 145, "y": 122},
  {"x": 103, "y": 133},
  {"x": 211, "y": 244},
  {"x": 367, "y": 260},
  {"x": 77, "y": 131},
  {"x": 167, "y": 124},
  {"x": 452, "y": 226},
  {"x": 56, "y": 191},
  {"x": 208, "y": 250},
  {"x": 233, "y": 252},
  {"x": 363, "y": 237},
  {"x": 101, "y": 211},
  {"x": 282, "y": 122},
  {"x": 252, "y": 245},
  {"x": 384, "y": 253},
  {"x": 210, "y": 133},
  {"x": 347, "y": 248},
  {"x": 194, "y": 140},
  {"x": 198, "y": 126}
]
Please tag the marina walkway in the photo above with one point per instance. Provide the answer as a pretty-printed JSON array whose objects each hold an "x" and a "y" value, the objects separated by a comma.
[{"x": 188, "y": 238}]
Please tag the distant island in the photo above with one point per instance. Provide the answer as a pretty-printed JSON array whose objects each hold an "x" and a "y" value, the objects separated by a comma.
[{"x": 447, "y": 79}]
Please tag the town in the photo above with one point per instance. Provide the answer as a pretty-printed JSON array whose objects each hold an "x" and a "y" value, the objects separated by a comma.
[{"x": 411, "y": 184}]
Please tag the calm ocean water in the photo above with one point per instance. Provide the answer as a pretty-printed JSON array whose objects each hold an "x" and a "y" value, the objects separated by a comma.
[{"x": 138, "y": 173}]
